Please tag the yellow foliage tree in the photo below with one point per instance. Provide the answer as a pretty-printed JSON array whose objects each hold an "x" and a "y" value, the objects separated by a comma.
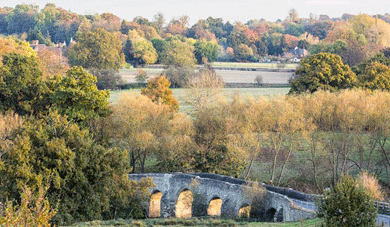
[
  {"x": 158, "y": 91},
  {"x": 8, "y": 45}
]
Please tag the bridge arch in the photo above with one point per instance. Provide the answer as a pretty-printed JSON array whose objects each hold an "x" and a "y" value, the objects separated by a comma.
[
  {"x": 155, "y": 204},
  {"x": 209, "y": 187},
  {"x": 183, "y": 207},
  {"x": 279, "y": 215},
  {"x": 270, "y": 215},
  {"x": 214, "y": 206},
  {"x": 245, "y": 210}
]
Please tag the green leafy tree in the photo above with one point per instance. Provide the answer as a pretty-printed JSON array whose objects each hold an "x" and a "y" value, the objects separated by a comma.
[
  {"x": 21, "y": 19},
  {"x": 97, "y": 49},
  {"x": 294, "y": 29},
  {"x": 348, "y": 204},
  {"x": 262, "y": 48},
  {"x": 36, "y": 34},
  {"x": 85, "y": 177},
  {"x": 376, "y": 76},
  {"x": 379, "y": 58},
  {"x": 21, "y": 86},
  {"x": 77, "y": 96},
  {"x": 237, "y": 36},
  {"x": 158, "y": 91},
  {"x": 178, "y": 53},
  {"x": 322, "y": 71},
  {"x": 206, "y": 52},
  {"x": 303, "y": 44},
  {"x": 144, "y": 51},
  {"x": 159, "y": 44}
]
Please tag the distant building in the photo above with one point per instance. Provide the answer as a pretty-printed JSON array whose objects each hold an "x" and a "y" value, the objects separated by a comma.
[
  {"x": 297, "y": 53},
  {"x": 57, "y": 49}
]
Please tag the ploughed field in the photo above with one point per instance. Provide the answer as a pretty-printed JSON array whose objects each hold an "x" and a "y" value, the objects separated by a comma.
[{"x": 228, "y": 76}]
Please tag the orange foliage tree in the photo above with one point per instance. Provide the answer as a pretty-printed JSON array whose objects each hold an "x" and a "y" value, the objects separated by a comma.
[{"x": 158, "y": 90}]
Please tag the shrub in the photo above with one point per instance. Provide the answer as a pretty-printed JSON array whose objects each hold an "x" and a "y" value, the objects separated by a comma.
[
  {"x": 141, "y": 76},
  {"x": 259, "y": 80},
  {"x": 106, "y": 78},
  {"x": 348, "y": 204},
  {"x": 34, "y": 210}
]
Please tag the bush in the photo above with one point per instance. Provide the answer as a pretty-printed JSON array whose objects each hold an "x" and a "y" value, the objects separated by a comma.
[
  {"x": 141, "y": 76},
  {"x": 259, "y": 80},
  {"x": 349, "y": 204},
  {"x": 34, "y": 210},
  {"x": 106, "y": 78},
  {"x": 179, "y": 76}
]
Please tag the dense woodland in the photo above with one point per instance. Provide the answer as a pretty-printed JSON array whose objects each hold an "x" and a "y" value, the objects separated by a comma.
[
  {"x": 63, "y": 144},
  {"x": 143, "y": 41}
]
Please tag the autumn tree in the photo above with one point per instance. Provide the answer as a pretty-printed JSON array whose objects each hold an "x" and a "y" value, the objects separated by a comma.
[
  {"x": 203, "y": 88},
  {"x": 243, "y": 53},
  {"x": 322, "y": 71},
  {"x": 142, "y": 51},
  {"x": 158, "y": 91},
  {"x": 150, "y": 130},
  {"x": 158, "y": 22},
  {"x": 178, "y": 26},
  {"x": 52, "y": 63},
  {"x": 107, "y": 21},
  {"x": 215, "y": 152},
  {"x": 9, "y": 44},
  {"x": 97, "y": 49},
  {"x": 364, "y": 36}
]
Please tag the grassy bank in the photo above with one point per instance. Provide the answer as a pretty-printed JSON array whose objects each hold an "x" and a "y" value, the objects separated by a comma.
[{"x": 197, "y": 222}]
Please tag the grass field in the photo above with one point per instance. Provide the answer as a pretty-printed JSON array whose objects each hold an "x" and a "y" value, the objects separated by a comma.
[
  {"x": 180, "y": 93},
  {"x": 197, "y": 222}
]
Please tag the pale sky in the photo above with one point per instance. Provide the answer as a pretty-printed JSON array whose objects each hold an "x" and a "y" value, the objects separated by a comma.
[{"x": 229, "y": 10}]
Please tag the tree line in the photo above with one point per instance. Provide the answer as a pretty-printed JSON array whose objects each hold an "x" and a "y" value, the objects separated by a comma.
[{"x": 142, "y": 41}]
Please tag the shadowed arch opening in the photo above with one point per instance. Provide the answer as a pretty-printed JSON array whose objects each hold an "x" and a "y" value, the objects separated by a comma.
[
  {"x": 184, "y": 204},
  {"x": 270, "y": 215},
  {"x": 155, "y": 205},
  {"x": 215, "y": 206},
  {"x": 279, "y": 215},
  {"x": 244, "y": 211}
]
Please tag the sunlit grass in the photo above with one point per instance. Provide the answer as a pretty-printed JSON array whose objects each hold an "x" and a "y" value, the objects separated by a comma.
[{"x": 180, "y": 93}]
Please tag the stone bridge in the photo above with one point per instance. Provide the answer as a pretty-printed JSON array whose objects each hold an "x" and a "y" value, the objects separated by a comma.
[{"x": 196, "y": 195}]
